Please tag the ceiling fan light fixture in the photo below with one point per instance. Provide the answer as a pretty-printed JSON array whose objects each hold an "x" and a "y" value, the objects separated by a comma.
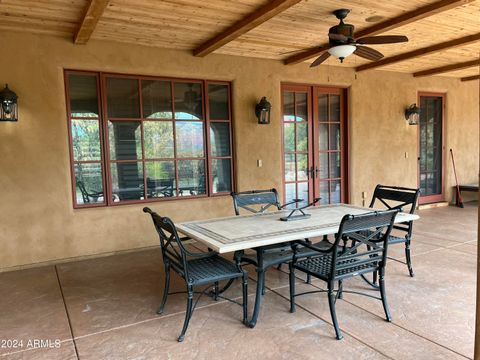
[{"x": 342, "y": 51}]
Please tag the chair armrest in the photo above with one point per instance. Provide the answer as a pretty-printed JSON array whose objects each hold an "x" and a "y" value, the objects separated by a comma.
[{"x": 308, "y": 245}]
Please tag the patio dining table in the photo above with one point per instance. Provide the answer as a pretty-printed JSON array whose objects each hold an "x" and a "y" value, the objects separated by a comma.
[{"x": 238, "y": 233}]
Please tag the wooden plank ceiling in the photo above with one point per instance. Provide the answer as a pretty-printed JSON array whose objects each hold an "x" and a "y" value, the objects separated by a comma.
[{"x": 275, "y": 29}]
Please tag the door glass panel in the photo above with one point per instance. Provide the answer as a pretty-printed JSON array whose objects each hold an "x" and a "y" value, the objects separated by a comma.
[
  {"x": 302, "y": 194},
  {"x": 289, "y": 137},
  {"x": 323, "y": 136},
  {"x": 288, "y": 106},
  {"x": 335, "y": 191},
  {"x": 124, "y": 140},
  {"x": 156, "y": 99},
  {"x": 302, "y": 167},
  {"x": 323, "y": 166},
  {"x": 334, "y": 143},
  {"x": 302, "y": 136},
  {"x": 160, "y": 179},
  {"x": 122, "y": 98},
  {"x": 218, "y": 102},
  {"x": 290, "y": 194},
  {"x": 334, "y": 108},
  {"x": 301, "y": 102},
  {"x": 324, "y": 192},
  {"x": 289, "y": 167},
  {"x": 335, "y": 164},
  {"x": 322, "y": 107}
]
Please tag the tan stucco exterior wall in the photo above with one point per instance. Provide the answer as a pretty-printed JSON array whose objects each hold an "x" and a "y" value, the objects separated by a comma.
[{"x": 37, "y": 220}]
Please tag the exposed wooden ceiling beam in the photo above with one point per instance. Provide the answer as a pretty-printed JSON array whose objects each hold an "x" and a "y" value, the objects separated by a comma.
[
  {"x": 90, "y": 19},
  {"x": 447, "y": 68},
  {"x": 470, "y": 78},
  {"x": 246, "y": 24},
  {"x": 421, "y": 52},
  {"x": 390, "y": 24}
]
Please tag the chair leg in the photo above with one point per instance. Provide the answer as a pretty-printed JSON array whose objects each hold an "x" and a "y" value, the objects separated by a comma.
[
  {"x": 188, "y": 313},
  {"x": 263, "y": 288},
  {"x": 333, "y": 313},
  {"x": 165, "y": 290},
  {"x": 291, "y": 278},
  {"x": 245, "y": 296},
  {"x": 384, "y": 296},
  {"x": 340, "y": 289},
  {"x": 216, "y": 291},
  {"x": 409, "y": 258}
]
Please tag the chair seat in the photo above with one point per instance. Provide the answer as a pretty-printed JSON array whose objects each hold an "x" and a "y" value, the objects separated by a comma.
[
  {"x": 321, "y": 266},
  {"x": 284, "y": 254},
  {"x": 391, "y": 239},
  {"x": 211, "y": 269}
]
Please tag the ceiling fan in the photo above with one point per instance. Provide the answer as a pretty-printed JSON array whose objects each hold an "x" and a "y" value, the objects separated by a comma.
[{"x": 343, "y": 44}]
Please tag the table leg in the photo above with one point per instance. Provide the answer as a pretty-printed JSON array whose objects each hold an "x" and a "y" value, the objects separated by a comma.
[{"x": 260, "y": 286}]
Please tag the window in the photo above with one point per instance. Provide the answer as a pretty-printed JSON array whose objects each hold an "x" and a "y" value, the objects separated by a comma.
[{"x": 136, "y": 139}]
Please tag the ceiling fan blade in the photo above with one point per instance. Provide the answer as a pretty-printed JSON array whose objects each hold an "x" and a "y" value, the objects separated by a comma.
[
  {"x": 368, "y": 53},
  {"x": 320, "y": 59},
  {"x": 387, "y": 39},
  {"x": 337, "y": 37}
]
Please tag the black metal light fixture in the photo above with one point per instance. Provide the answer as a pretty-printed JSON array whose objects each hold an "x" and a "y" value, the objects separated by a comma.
[
  {"x": 262, "y": 111},
  {"x": 412, "y": 114},
  {"x": 9, "y": 108}
]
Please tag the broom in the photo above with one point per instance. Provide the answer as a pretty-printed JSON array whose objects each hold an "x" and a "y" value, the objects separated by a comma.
[{"x": 459, "y": 201}]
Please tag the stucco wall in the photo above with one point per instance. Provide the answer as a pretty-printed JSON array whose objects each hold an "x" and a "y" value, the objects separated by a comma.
[{"x": 38, "y": 222}]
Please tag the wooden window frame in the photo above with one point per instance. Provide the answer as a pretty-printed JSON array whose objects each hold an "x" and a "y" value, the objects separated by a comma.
[{"x": 104, "y": 120}]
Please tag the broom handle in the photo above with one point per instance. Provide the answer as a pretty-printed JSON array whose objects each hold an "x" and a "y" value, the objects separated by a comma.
[{"x": 456, "y": 180}]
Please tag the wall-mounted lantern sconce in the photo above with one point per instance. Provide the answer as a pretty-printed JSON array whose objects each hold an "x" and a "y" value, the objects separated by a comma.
[
  {"x": 412, "y": 114},
  {"x": 262, "y": 111},
  {"x": 9, "y": 108}
]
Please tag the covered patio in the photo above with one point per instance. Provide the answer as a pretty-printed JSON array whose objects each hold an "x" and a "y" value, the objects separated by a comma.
[{"x": 116, "y": 105}]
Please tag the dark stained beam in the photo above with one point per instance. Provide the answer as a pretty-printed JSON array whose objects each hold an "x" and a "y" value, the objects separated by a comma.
[
  {"x": 470, "y": 78},
  {"x": 386, "y": 25},
  {"x": 421, "y": 52},
  {"x": 447, "y": 68},
  {"x": 93, "y": 13},
  {"x": 244, "y": 25}
]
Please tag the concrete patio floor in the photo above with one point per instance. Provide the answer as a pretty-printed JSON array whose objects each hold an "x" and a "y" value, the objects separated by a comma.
[{"x": 104, "y": 308}]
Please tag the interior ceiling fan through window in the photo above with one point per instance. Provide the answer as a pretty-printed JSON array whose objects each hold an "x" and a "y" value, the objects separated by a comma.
[{"x": 343, "y": 44}]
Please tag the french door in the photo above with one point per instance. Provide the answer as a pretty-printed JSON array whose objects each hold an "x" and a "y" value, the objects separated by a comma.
[
  {"x": 314, "y": 144},
  {"x": 431, "y": 148}
]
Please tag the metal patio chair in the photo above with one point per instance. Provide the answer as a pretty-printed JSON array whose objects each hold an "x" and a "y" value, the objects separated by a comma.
[
  {"x": 360, "y": 248},
  {"x": 196, "y": 269},
  {"x": 403, "y": 199},
  {"x": 88, "y": 196}
]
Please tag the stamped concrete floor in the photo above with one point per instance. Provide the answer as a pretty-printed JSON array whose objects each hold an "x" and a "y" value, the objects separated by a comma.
[{"x": 104, "y": 308}]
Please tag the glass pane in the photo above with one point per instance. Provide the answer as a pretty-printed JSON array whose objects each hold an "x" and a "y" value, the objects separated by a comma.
[
  {"x": 189, "y": 136},
  {"x": 423, "y": 184},
  {"x": 334, "y": 107},
  {"x": 86, "y": 140},
  {"x": 335, "y": 192},
  {"x": 290, "y": 194},
  {"x": 124, "y": 140},
  {"x": 302, "y": 167},
  {"x": 188, "y": 101},
  {"x": 89, "y": 184},
  {"x": 324, "y": 193},
  {"x": 122, "y": 98},
  {"x": 218, "y": 102},
  {"x": 334, "y": 137},
  {"x": 335, "y": 165},
  {"x": 301, "y": 101},
  {"x": 289, "y": 167},
  {"x": 127, "y": 181},
  {"x": 323, "y": 136},
  {"x": 156, "y": 99},
  {"x": 322, "y": 107},
  {"x": 158, "y": 139},
  {"x": 302, "y": 136},
  {"x": 161, "y": 179},
  {"x": 83, "y": 95},
  {"x": 423, "y": 159},
  {"x": 191, "y": 177},
  {"x": 289, "y": 137},
  {"x": 288, "y": 106},
  {"x": 221, "y": 175},
  {"x": 220, "y": 139},
  {"x": 303, "y": 193},
  {"x": 323, "y": 166}
]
